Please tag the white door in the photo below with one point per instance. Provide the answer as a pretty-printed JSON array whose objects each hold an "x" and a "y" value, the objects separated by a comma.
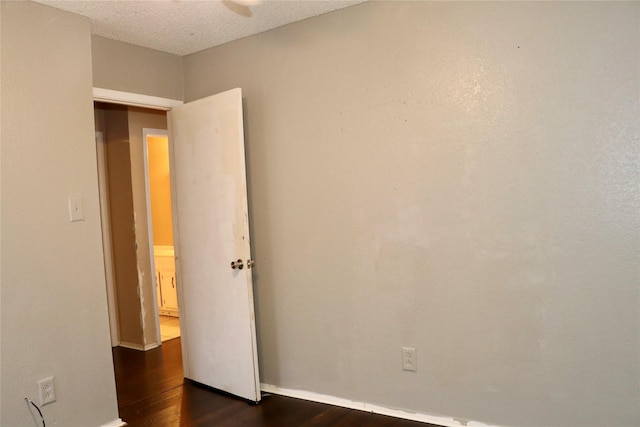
[{"x": 211, "y": 218}]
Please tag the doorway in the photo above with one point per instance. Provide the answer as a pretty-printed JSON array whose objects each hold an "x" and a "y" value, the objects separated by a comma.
[
  {"x": 144, "y": 288},
  {"x": 160, "y": 220},
  {"x": 210, "y": 210}
]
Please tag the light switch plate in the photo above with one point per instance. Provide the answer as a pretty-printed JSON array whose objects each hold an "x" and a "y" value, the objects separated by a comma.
[
  {"x": 76, "y": 210},
  {"x": 409, "y": 359}
]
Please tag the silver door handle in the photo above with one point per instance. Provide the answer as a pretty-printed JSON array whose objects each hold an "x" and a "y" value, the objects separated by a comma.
[
  {"x": 237, "y": 264},
  {"x": 250, "y": 263}
]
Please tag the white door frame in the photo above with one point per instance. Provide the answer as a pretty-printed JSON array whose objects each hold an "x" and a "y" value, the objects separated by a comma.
[
  {"x": 145, "y": 101},
  {"x": 146, "y": 132},
  {"x": 133, "y": 99}
]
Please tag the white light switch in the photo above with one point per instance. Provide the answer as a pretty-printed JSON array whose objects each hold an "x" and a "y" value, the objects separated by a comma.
[{"x": 76, "y": 212}]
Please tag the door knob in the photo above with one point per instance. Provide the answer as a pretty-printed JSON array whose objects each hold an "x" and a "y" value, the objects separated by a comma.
[
  {"x": 237, "y": 264},
  {"x": 250, "y": 263}
]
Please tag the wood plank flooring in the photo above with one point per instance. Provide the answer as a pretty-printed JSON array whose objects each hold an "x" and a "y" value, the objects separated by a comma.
[{"x": 152, "y": 392}]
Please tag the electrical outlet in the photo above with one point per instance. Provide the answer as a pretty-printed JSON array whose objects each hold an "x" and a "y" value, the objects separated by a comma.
[
  {"x": 409, "y": 359},
  {"x": 46, "y": 391}
]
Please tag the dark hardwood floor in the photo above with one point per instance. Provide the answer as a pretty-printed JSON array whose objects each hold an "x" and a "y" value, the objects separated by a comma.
[{"x": 152, "y": 392}]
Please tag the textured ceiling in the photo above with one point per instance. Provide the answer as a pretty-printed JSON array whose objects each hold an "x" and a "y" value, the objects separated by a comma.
[{"x": 186, "y": 26}]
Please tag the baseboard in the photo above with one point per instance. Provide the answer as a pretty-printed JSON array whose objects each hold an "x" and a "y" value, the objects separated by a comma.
[
  {"x": 367, "y": 407},
  {"x": 140, "y": 347},
  {"x": 115, "y": 423}
]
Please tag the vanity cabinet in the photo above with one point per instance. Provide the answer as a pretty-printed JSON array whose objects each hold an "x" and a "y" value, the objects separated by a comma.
[{"x": 166, "y": 280}]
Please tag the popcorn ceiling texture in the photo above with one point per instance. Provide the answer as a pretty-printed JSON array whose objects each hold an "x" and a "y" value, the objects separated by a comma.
[{"x": 184, "y": 27}]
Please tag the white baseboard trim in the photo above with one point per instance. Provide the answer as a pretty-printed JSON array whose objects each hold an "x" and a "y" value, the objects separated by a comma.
[
  {"x": 140, "y": 347},
  {"x": 367, "y": 407},
  {"x": 115, "y": 423}
]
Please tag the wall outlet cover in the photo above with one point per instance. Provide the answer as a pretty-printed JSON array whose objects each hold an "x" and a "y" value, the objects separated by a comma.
[{"x": 46, "y": 391}]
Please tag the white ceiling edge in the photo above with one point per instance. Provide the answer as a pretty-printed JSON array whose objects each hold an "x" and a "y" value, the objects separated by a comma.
[{"x": 182, "y": 27}]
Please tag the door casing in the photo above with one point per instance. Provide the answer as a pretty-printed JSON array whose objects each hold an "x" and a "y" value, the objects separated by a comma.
[
  {"x": 146, "y": 132},
  {"x": 134, "y": 100}
]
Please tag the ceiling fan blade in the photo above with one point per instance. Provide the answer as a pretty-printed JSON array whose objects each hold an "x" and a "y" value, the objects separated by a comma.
[{"x": 241, "y": 7}]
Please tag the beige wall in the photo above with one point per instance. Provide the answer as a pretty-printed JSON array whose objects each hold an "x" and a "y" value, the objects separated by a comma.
[
  {"x": 121, "y": 217},
  {"x": 457, "y": 177},
  {"x": 54, "y": 313},
  {"x": 129, "y": 68},
  {"x": 160, "y": 190}
]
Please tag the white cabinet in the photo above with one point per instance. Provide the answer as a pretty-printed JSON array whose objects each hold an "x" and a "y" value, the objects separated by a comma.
[{"x": 166, "y": 280}]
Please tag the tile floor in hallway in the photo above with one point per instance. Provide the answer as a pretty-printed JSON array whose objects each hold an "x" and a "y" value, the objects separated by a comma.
[{"x": 169, "y": 328}]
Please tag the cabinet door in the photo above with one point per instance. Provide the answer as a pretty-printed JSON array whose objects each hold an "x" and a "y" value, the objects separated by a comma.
[{"x": 169, "y": 293}]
